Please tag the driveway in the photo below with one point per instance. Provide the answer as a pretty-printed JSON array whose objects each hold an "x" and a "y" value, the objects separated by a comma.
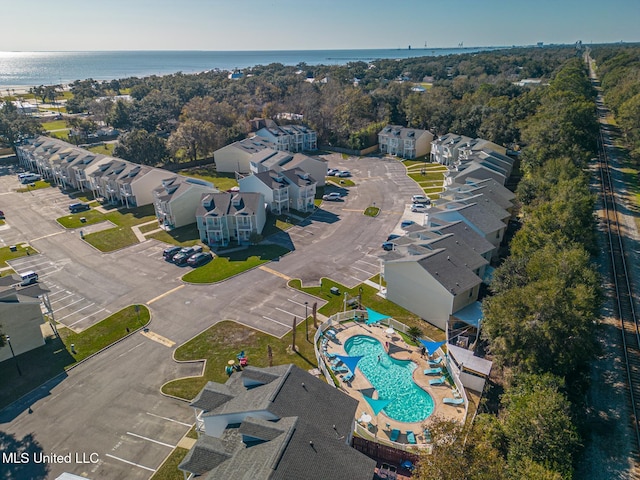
[{"x": 111, "y": 404}]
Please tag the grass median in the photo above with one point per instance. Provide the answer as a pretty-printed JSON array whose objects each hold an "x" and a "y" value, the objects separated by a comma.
[
  {"x": 371, "y": 299},
  {"x": 55, "y": 356},
  {"x": 21, "y": 250},
  {"x": 226, "y": 265},
  {"x": 169, "y": 468},
  {"x": 225, "y": 340}
]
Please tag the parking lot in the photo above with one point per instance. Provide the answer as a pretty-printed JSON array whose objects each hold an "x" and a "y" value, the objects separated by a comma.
[{"x": 111, "y": 403}]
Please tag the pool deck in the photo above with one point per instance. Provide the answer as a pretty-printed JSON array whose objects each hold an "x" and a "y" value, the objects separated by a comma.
[{"x": 382, "y": 425}]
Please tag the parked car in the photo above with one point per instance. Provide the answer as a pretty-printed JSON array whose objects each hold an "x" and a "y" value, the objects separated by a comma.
[
  {"x": 406, "y": 223},
  {"x": 393, "y": 236},
  {"x": 199, "y": 259},
  {"x": 333, "y": 196},
  {"x": 332, "y": 172},
  {"x": 343, "y": 173},
  {"x": 1, "y": 215},
  {"x": 419, "y": 207},
  {"x": 32, "y": 177},
  {"x": 79, "y": 207},
  {"x": 169, "y": 252},
  {"x": 183, "y": 255},
  {"x": 388, "y": 246},
  {"x": 420, "y": 199}
]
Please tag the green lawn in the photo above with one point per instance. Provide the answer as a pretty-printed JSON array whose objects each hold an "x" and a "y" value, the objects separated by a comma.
[
  {"x": 225, "y": 340},
  {"x": 184, "y": 236},
  {"x": 112, "y": 239},
  {"x": 226, "y": 265},
  {"x": 222, "y": 181},
  {"x": 54, "y": 125},
  {"x": 54, "y": 357},
  {"x": 37, "y": 186},
  {"x": 169, "y": 469},
  {"x": 371, "y": 299},
  {"x": 341, "y": 182},
  {"x": 104, "y": 149},
  {"x": 428, "y": 176},
  {"x": 372, "y": 211},
  {"x": 148, "y": 228},
  {"x": 277, "y": 223},
  {"x": 21, "y": 251}
]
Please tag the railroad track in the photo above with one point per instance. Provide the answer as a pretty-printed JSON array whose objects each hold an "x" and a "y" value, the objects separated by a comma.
[{"x": 621, "y": 282}]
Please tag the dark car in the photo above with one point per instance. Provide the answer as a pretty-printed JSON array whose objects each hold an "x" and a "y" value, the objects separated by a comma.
[
  {"x": 78, "y": 207},
  {"x": 168, "y": 253},
  {"x": 199, "y": 259},
  {"x": 388, "y": 246},
  {"x": 183, "y": 255},
  {"x": 1, "y": 215},
  {"x": 393, "y": 236}
]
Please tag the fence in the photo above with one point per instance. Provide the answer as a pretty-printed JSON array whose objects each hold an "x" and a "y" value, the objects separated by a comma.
[
  {"x": 348, "y": 151},
  {"x": 385, "y": 453}
]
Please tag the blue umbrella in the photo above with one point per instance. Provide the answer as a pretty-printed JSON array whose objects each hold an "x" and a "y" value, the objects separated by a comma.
[
  {"x": 374, "y": 317},
  {"x": 377, "y": 405},
  {"x": 350, "y": 362},
  {"x": 431, "y": 346}
]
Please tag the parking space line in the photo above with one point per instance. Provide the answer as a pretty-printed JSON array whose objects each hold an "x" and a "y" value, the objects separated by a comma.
[
  {"x": 297, "y": 303},
  {"x": 276, "y": 321},
  {"x": 368, "y": 273},
  {"x": 169, "y": 419},
  {"x": 84, "y": 318},
  {"x": 158, "y": 338},
  {"x": 288, "y": 313},
  {"x": 60, "y": 299},
  {"x": 72, "y": 303},
  {"x": 73, "y": 313},
  {"x": 151, "y": 440},
  {"x": 274, "y": 272},
  {"x": 130, "y": 463},
  {"x": 131, "y": 349}
]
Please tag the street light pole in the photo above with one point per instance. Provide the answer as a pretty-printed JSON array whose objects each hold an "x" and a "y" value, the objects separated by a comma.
[
  {"x": 13, "y": 354},
  {"x": 306, "y": 319}
]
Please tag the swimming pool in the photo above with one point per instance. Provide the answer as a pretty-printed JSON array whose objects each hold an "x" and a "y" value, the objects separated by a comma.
[{"x": 392, "y": 379}]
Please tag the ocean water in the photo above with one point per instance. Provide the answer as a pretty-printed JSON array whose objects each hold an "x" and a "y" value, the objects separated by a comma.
[{"x": 27, "y": 69}]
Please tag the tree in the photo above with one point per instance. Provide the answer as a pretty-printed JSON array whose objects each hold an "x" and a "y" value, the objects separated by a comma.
[
  {"x": 120, "y": 115},
  {"x": 14, "y": 126},
  {"x": 139, "y": 146},
  {"x": 459, "y": 453},
  {"x": 414, "y": 332},
  {"x": 538, "y": 425},
  {"x": 194, "y": 137}
]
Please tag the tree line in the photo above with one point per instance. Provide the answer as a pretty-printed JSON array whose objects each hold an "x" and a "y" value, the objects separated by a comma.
[
  {"x": 540, "y": 319},
  {"x": 175, "y": 117}
]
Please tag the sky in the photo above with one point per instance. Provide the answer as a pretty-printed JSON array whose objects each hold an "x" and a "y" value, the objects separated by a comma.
[{"x": 72, "y": 25}]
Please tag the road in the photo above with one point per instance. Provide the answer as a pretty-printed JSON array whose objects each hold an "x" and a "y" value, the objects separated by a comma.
[{"x": 111, "y": 405}]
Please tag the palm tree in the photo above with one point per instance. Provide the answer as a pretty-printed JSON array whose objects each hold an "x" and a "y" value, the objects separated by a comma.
[{"x": 414, "y": 333}]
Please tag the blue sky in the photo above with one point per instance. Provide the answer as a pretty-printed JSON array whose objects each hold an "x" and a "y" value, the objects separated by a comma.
[{"x": 302, "y": 25}]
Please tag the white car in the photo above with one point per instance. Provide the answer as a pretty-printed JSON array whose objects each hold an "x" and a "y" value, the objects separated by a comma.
[
  {"x": 333, "y": 196},
  {"x": 418, "y": 207},
  {"x": 343, "y": 173},
  {"x": 332, "y": 172},
  {"x": 420, "y": 199}
]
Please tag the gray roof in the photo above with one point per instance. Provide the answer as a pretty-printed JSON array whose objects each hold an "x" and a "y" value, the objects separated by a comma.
[
  {"x": 226, "y": 203},
  {"x": 476, "y": 170},
  {"x": 475, "y": 241},
  {"x": 212, "y": 396},
  {"x": 402, "y": 132},
  {"x": 299, "y": 177},
  {"x": 495, "y": 186},
  {"x": 175, "y": 186},
  {"x": 306, "y": 440},
  {"x": 456, "y": 247},
  {"x": 207, "y": 453},
  {"x": 476, "y": 214},
  {"x": 272, "y": 179},
  {"x": 480, "y": 199},
  {"x": 253, "y": 144},
  {"x": 456, "y": 191},
  {"x": 448, "y": 270}
]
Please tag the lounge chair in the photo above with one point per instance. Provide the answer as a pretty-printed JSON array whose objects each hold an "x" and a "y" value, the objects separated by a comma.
[
  {"x": 453, "y": 401},
  {"x": 341, "y": 369},
  {"x": 330, "y": 355},
  {"x": 411, "y": 437},
  {"x": 433, "y": 371},
  {"x": 427, "y": 436},
  {"x": 348, "y": 377},
  {"x": 395, "y": 433},
  {"x": 436, "y": 362},
  {"x": 240, "y": 355},
  {"x": 438, "y": 381}
]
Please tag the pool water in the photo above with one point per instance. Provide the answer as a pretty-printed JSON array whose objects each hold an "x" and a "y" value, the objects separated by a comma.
[{"x": 392, "y": 379}]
